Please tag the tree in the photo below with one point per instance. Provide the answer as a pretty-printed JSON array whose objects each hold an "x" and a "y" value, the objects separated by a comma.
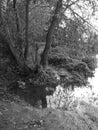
[
  {"x": 44, "y": 57},
  {"x": 53, "y": 24},
  {"x": 27, "y": 24},
  {"x": 23, "y": 25},
  {"x": 12, "y": 35}
]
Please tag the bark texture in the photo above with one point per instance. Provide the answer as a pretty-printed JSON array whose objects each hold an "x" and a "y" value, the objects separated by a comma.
[{"x": 44, "y": 56}]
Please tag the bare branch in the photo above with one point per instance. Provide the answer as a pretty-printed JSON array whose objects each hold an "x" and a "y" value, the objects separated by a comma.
[
  {"x": 69, "y": 5},
  {"x": 83, "y": 19}
]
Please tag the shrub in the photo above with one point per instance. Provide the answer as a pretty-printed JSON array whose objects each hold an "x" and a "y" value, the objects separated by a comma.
[
  {"x": 45, "y": 77},
  {"x": 61, "y": 98},
  {"x": 91, "y": 62},
  {"x": 76, "y": 71}
]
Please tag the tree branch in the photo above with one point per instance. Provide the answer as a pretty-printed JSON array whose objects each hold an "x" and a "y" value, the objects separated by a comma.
[
  {"x": 44, "y": 57},
  {"x": 84, "y": 19}
]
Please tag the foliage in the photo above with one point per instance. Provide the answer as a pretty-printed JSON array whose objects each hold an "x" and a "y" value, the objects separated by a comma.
[
  {"x": 65, "y": 38},
  {"x": 91, "y": 62},
  {"x": 45, "y": 78},
  {"x": 62, "y": 98},
  {"x": 67, "y": 99},
  {"x": 75, "y": 72},
  {"x": 76, "y": 39},
  {"x": 39, "y": 21},
  {"x": 72, "y": 52}
]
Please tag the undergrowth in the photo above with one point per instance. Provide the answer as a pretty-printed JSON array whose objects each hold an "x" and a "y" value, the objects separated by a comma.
[{"x": 69, "y": 100}]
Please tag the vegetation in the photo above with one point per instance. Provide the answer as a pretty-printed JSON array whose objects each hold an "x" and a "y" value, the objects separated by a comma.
[{"x": 39, "y": 38}]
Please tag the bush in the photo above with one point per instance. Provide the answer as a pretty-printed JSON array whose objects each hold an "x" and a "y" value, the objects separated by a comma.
[
  {"x": 61, "y": 98},
  {"x": 45, "y": 78},
  {"x": 83, "y": 69},
  {"x": 76, "y": 71},
  {"x": 91, "y": 62}
]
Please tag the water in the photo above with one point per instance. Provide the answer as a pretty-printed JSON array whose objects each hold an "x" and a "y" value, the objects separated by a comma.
[{"x": 84, "y": 93}]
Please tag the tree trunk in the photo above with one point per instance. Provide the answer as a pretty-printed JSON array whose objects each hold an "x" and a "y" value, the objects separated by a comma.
[
  {"x": 44, "y": 56},
  {"x": 19, "y": 59},
  {"x": 0, "y": 13},
  {"x": 26, "y": 28},
  {"x": 16, "y": 17},
  {"x": 15, "y": 53},
  {"x": 18, "y": 55}
]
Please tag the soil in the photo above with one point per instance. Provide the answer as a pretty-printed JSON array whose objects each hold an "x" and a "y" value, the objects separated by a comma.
[{"x": 15, "y": 114}]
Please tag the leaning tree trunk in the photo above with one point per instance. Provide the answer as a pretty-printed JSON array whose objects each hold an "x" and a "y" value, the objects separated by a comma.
[{"x": 44, "y": 56}]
